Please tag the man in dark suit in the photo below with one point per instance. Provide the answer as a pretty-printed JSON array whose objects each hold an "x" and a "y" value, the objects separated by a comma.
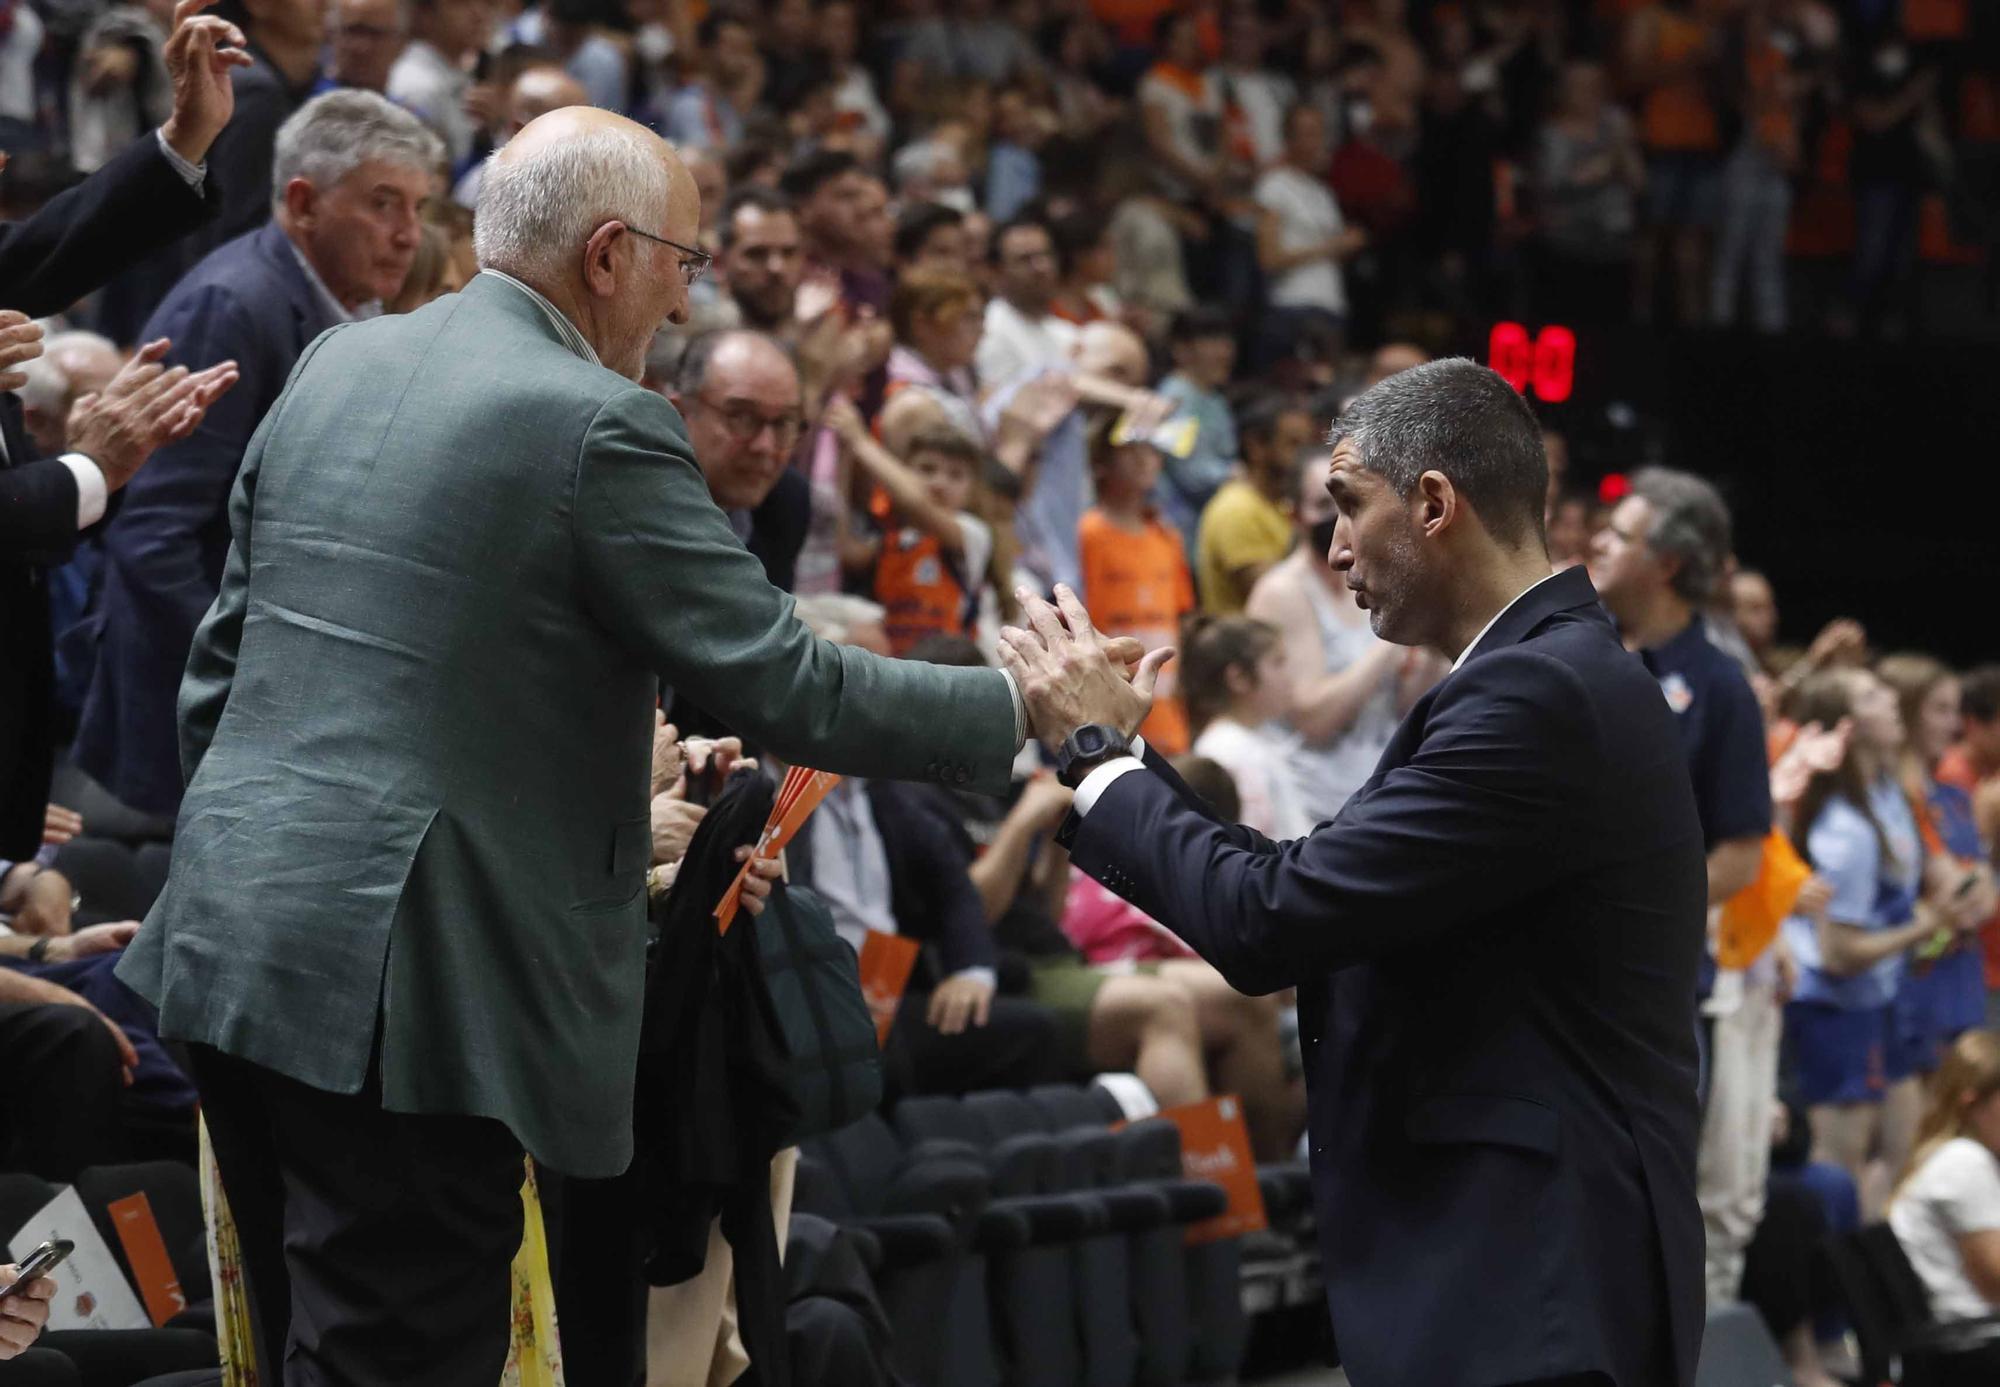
[
  {"x": 154, "y": 192},
  {"x": 355, "y": 170},
  {"x": 1494, "y": 944}
]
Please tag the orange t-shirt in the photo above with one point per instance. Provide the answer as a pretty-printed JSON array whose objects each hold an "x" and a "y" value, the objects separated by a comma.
[
  {"x": 919, "y": 589},
  {"x": 1678, "y": 114},
  {"x": 1136, "y": 583}
]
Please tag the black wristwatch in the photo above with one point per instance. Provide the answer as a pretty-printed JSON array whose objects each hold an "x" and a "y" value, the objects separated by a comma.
[
  {"x": 1087, "y": 748},
  {"x": 38, "y": 952}
]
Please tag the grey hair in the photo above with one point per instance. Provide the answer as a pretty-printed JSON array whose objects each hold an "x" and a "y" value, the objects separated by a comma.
[
  {"x": 832, "y": 616},
  {"x": 920, "y": 159},
  {"x": 1690, "y": 525},
  {"x": 1455, "y": 417},
  {"x": 334, "y": 134},
  {"x": 48, "y": 386},
  {"x": 535, "y": 213}
]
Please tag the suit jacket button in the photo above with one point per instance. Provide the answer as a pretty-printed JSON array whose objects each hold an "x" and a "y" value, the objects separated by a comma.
[{"x": 963, "y": 775}]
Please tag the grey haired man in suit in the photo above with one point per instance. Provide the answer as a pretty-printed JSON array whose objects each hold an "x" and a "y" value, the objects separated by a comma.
[{"x": 405, "y": 929}]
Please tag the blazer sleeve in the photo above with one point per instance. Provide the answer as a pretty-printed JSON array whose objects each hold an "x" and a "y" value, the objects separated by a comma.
[
  {"x": 1508, "y": 770},
  {"x": 85, "y": 237},
  {"x": 211, "y": 666},
  {"x": 37, "y": 513},
  {"x": 662, "y": 569}
]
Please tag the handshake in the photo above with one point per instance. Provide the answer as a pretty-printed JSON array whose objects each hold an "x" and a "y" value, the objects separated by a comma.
[{"x": 1071, "y": 675}]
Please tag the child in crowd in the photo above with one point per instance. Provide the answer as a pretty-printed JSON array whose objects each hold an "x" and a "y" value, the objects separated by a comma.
[
  {"x": 1203, "y": 342},
  {"x": 927, "y": 562},
  {"x": 1855, "y": 827},
  {"x": 1236, "y": 685},
  {"x": 1136, "y": 580}
]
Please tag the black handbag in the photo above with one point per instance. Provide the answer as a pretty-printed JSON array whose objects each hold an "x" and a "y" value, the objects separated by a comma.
[{"x": 834, "y": 1066}]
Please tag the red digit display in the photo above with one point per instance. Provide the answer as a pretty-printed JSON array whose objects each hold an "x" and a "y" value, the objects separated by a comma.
[{"x": 1543, "y": 366}]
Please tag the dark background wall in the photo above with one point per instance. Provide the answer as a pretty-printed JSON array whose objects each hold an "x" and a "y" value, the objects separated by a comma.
[{"x": 1861, "y": 474}]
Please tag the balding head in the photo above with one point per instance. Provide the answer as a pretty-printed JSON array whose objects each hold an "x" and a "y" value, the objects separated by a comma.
[
  {"x": 740, "y": 395},
  {"x": 1113, "y": 351},
  {"x": 579, "y": 205},
  {"x": 540, "y": 90}
]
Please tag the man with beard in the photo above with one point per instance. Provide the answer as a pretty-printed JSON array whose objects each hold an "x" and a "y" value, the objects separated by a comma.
[
  {"x": 763, "y": 259},
  {"x": 1494, "y": 945}
]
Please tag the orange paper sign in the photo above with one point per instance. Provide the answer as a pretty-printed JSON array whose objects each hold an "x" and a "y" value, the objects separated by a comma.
[
  {"x": 1215, "y": 1146},
  {"x": 886, "y": 961},
  {"x": 146, "y": 1253}
]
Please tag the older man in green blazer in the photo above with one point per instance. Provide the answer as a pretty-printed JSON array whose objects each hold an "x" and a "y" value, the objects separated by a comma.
[{"x": 404, "y": 931}]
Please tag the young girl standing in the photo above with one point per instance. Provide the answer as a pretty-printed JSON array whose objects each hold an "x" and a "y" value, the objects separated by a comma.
[{"x": 1237, "y": 686}]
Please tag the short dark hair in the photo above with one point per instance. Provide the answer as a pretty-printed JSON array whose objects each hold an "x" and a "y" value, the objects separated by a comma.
[
  {"x": 1455, "y": 417},
  {"x": 1199, "y": 323},
  {"x": 946, "y": 441},
  {"x": 757, "y": 199},
  {"x": 712, "y": 24},
  {"x": 916, "y": 223},
  {"x": 1077, "y": 233},
  {"x": 1979, "y": 693},
  {"x": 692, "y": 372},
  {"x": 749, "y": 155},
  {"x": 1016, "y": 223},
  {"x": 1258, "y": 416},
  {"x": 813, "y": 170},
  {"x": 1690, "y": 524}
]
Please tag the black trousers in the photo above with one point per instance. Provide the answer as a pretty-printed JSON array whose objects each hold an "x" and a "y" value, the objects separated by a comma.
[
  {"x": 1016, "y": 1048},
  {"x": 59, "y": 1092},
  {"x": 377, "y": 1246}
]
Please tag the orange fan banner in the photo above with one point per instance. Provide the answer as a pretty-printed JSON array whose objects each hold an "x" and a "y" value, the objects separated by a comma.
[{"x": 797, "y": 797}]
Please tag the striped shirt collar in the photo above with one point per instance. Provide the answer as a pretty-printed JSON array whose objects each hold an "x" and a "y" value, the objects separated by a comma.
[{"x": 565, "y": 329}]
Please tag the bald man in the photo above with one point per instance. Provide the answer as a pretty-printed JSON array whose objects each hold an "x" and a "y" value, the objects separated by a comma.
[
  {"x": 404, "y": 934},
  {"x": 537, "y": 91}
]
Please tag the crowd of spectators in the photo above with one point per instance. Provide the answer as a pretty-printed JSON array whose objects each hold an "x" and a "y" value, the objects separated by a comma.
[{"x": 1045, "y": 292}]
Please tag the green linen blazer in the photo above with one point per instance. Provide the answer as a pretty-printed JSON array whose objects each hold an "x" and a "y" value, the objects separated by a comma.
[{"x": 416, "y": 723}]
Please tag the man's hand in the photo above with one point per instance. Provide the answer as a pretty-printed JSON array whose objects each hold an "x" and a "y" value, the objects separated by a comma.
[
  {"x": 20, "y": 343},
  {"x": 674, "y": 823},
  {"x": 92, "y": 940},
  {"x": 669, "y": 759},
  {"x": 959, "y": 1001},
  {"x": 717, "y": 755},
  {"x": 757, "y": 885},
  {"x": 145, "y": 407},
  {"x": 23, "y": 1313},
  {"x": 199, "y": 54},
  {"x": 45, "y": 908},
  {"x": 1035, "y": 410},
  {"x": 1065, "y": 676},
  {"x": 60, "y": 825}
]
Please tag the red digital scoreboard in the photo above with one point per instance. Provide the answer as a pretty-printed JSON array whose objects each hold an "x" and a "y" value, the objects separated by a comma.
[{"x": 1541, "y": 365}]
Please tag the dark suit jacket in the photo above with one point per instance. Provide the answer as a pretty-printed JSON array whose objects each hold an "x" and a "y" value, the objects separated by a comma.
[
  {"x": 931, "y": 896},
  {"x": 133, "y": 205},
  {"x": 1495, "y": 948},
  {"x": 250, "y": 300}
]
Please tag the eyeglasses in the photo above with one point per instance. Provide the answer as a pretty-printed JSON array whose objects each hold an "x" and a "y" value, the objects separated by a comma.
[
  {"x": 743, "y": 423},
  {"x": 695, "y": 262}
]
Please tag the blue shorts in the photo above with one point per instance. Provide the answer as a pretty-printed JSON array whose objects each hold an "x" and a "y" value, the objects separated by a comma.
[
  {"x": 1847, "y": 1056},
  {"x": 1938, "y": 1005}
]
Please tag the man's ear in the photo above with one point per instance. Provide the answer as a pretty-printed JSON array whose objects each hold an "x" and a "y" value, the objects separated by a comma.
[
  {"x": 600, "y": 267},
  {"x": 301, "y": 201},
  {"x": 1438, "y": 503}
]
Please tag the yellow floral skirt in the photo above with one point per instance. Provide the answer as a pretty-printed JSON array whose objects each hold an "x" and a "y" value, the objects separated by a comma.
[{"x": 534, "y": 1358}]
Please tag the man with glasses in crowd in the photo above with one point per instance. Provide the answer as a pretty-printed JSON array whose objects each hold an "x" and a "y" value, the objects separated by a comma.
[{"x": 404, "y": 933}]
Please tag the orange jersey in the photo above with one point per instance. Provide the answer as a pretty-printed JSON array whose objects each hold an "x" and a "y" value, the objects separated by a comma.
[
  {"x": 1136, "y": 583},
  {"x": 920, "y": 588},
  {"x": 1678, "y": 114}
]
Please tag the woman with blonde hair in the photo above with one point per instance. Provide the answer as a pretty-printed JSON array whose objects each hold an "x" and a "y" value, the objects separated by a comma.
[{"x": 1946, "y": 1213}]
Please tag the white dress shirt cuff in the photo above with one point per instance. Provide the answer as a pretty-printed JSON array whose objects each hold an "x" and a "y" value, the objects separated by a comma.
[
  {"x": 194, "y": 175},
  {"x": 1020, "y": 711},
  {"x": 1100, "y": 779},
  {"x": 983, "y": 975},
  {"x": 91, "y": 492}
]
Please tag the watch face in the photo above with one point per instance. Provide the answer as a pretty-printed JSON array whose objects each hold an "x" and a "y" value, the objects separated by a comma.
[{"x": 1090, "y": 740}]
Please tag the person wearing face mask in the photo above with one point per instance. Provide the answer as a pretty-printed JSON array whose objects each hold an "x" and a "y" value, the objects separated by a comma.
[
  {"x": 404, "y": 932},
  {"x": 1494, "y": 945}
]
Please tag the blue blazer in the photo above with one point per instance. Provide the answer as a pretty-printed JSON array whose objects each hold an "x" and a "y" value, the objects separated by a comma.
[
  {"x": 1495, "y": 947},
  {"x": 249, "y": 300}
]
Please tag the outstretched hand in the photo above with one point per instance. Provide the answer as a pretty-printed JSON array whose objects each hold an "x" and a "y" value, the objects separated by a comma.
[{"x": 1070, "y": 676}]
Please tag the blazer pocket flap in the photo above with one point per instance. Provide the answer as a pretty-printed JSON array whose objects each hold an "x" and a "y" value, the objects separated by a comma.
[
  {"x": 1489, "y": 1119},
  {"x": 631, "y": 846}
]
